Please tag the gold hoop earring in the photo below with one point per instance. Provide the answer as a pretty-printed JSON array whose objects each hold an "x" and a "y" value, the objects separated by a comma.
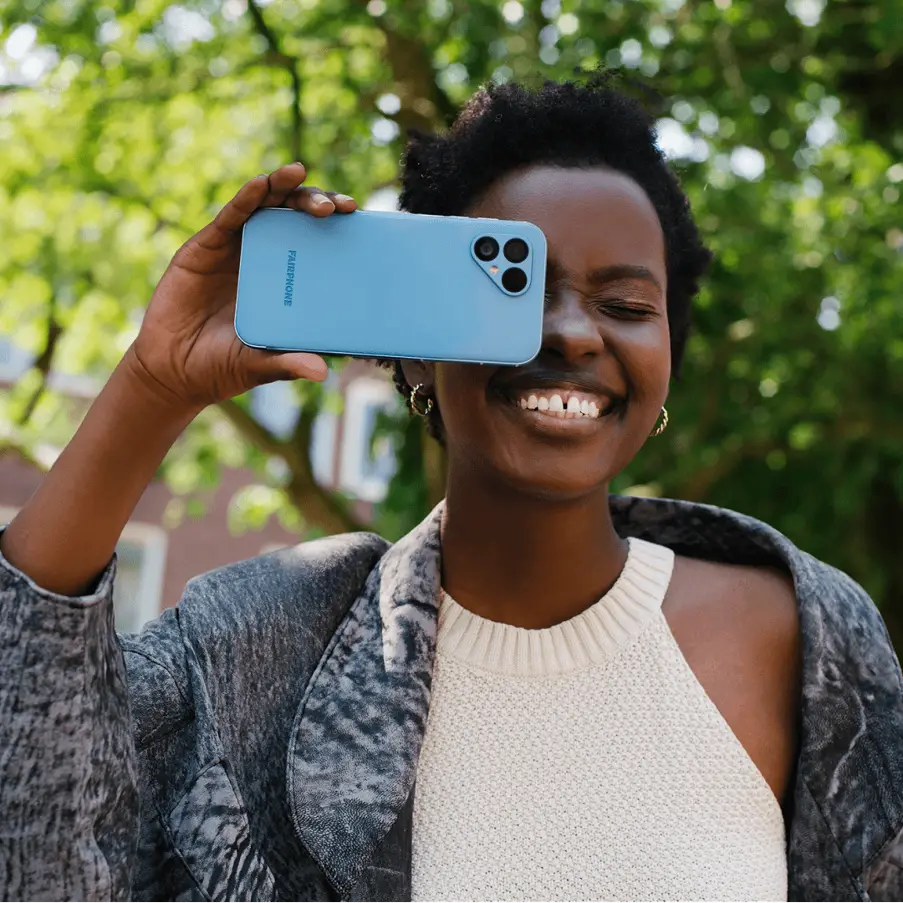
[
  {"x": 662, "y": 425},
  {"x": 425, "y": 410}
]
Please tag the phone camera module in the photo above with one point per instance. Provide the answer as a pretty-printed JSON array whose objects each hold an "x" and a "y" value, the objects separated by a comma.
[
  {"x": 514, "y": 280},
  {"x": 486, "y": 248},
  {"x": 516, "y": 250}
]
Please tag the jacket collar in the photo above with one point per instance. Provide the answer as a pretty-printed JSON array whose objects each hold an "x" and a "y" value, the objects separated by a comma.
[
  {"x": 357, "y": 734},
  {"x": 358, "y": 731}
]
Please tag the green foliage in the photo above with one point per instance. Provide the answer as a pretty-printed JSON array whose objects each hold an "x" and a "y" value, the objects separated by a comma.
[{"x": 149, "y": 115}]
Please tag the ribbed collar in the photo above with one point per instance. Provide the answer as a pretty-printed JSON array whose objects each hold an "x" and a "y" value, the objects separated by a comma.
[{"x": 592, "y": 637}]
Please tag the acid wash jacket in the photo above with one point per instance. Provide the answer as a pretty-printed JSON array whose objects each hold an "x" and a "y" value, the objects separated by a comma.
[{"x": 260, "y": 741}]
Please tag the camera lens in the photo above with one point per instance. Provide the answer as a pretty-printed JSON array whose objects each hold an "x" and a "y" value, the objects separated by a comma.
[
  {"x": 486, "y": 248},
  {"x": 514, "y": 279},
  {"x": 516, "y": 250}
]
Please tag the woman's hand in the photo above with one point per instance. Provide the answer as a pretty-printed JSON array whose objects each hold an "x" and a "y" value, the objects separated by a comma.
[{"x": 187, "y": 350}]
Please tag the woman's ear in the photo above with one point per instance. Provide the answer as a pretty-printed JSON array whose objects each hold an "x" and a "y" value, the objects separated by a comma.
[{"x": 420, "y": 373}]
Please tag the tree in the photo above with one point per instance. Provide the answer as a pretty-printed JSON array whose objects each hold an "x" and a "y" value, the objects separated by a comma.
[{"x": 125, "y": 125}]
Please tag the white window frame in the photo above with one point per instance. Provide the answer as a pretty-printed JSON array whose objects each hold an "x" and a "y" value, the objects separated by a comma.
[
  {"x": 322, "y": 448},
  {"x": 153, "y": 541},
  {"x": 361, "y": 394}
]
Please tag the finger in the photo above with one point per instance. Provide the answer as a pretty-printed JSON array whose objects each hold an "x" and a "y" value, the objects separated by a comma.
[
  {"x": 249, "y": 198},
  {"x": 234, "y": 215},
  {"x": 321, "y": 203},
  {"x": 270, "y": 188},
  {"x": 343, "y": 203},
  {"x": 282, "y": 182},
  {"x": 292, "y": 365},
  {"x": 313, "y": 200}
]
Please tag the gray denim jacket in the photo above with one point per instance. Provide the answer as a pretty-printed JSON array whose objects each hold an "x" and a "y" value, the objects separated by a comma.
[{"x": 260, "y": 741}]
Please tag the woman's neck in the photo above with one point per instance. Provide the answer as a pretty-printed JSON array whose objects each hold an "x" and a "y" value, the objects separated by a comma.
[{"x": 527, "y": 561}]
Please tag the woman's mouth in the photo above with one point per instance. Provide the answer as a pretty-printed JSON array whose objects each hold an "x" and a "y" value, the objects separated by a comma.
[{"x": 565, "y": 404}]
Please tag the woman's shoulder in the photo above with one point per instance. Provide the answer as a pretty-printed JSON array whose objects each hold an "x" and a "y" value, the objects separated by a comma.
[
  {"x": 774, "y": 571},
  {"x": 308, "y": 585},
  {"x": 330, "y": 559},
  {"x": 700, "y": 530},
  {"x": 717, "y": 534}
]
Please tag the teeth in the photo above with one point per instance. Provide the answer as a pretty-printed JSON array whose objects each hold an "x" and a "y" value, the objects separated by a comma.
[{"x": 561, "y": 405}]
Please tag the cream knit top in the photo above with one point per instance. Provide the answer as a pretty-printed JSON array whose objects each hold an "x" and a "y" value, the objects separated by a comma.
[{"x": 586, "y": 762}]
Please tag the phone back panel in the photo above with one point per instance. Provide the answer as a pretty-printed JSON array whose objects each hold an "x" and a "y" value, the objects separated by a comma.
[{"x": 377, "y": 284}]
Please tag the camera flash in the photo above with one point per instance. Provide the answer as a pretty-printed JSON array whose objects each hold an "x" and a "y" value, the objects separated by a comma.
[{"x": 493, "y": 270}]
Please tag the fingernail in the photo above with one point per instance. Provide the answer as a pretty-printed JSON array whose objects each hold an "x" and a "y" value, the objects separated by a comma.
[
  {"x": 320, "y": 199},
  {"x": 343, "y": 197}
]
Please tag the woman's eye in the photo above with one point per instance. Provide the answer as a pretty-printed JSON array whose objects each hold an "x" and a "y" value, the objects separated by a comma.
[{"x": 623, "y": 310}]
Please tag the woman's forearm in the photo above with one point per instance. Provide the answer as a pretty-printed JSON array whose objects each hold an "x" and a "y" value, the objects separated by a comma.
[{"x": 65, "y": 534}]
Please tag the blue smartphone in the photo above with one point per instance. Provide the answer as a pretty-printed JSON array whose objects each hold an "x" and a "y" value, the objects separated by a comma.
[{"x": 393, "y": 285}]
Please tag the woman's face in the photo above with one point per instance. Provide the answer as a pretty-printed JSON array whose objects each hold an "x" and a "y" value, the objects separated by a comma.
[{"x": 605, "y": 342}]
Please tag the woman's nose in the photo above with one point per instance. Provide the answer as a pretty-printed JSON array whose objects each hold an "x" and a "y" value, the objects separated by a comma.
[{"x": 569, "y": 329}]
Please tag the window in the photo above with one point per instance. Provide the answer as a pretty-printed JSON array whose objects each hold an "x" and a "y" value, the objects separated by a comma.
[
  {"x": 14, "y": 361},
  {"x": 322, "y": 447},
  {"x": 275, "y": 406},
  {"x": 365, "y": 470},
  {"x": 141, "y": 554}
]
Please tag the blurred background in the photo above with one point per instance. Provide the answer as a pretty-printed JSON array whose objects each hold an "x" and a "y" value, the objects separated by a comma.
[{"x": 124, "y": 126}]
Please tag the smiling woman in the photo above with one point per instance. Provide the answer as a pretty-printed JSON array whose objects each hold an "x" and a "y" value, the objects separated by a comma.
[{"x": 542, "y": 692}]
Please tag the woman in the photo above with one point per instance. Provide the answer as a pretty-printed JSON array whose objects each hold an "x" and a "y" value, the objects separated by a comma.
[{"x": 599, "y": 698}]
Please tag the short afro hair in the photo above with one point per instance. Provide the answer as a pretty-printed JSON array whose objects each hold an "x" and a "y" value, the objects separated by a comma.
[{"x": 571, "y": 124}]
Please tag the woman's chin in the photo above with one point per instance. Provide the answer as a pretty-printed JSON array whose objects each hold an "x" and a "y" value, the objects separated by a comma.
[{"x": 557, "y": 483}]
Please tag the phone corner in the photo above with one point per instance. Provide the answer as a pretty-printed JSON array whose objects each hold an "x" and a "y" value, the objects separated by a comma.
[
  {"x": 242, "y": 334},
  {"x": 521, "y": 360}
]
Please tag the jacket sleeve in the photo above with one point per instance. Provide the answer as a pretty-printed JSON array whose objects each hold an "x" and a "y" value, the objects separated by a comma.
[
  {"x": 69, "y": 803},
  {"x": 883, "y": 878}
]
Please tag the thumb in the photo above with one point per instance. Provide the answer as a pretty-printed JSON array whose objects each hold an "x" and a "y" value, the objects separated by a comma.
[{"x": 274, "y": 366}]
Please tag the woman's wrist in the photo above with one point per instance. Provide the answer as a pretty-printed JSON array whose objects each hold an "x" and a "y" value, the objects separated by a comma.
[{"x": 132, "y": 380}]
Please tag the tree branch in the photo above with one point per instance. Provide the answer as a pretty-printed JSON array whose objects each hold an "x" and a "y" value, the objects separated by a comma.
[
  {"x": 730, "y": 67},
  {"x": 424, "y": 105},
  {"x": 326, "y": 508},
  {"x": 315, "y": 504},
  {"x": 278, "y": 57},
  {"x": 43, "y": 362},
  {"x": 251, "y": 429}
]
